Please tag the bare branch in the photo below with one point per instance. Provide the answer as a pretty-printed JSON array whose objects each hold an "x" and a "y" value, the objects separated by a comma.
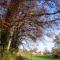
[{"x": 46, "y": 14}]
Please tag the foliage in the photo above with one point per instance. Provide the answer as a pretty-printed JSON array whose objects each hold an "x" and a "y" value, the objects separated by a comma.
[
  {"x": 30, "y": 19},
  {"x": 4, "y": 36},
  {"x": 4, "y": 39},
  {"x": 56, "y": 49},
  {"x": 8, "y": 55}
]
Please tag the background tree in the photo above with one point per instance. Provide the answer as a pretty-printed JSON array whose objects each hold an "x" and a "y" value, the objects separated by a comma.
[{"x": 56, "y": 49}]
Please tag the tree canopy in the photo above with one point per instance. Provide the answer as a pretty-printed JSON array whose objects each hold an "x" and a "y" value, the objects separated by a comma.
[{"x": 29, "y": 18}]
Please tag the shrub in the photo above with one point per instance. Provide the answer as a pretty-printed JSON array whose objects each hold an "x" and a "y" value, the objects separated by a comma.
[{"x": 7, "y": 55}]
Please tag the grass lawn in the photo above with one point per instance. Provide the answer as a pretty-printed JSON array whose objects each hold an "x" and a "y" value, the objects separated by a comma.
[
  {"x": 41, "y": 57},
  {"x": 44, "y": 58}
]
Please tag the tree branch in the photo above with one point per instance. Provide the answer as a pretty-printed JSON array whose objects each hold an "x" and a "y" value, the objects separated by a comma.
[{"x": 46, "y": 14}]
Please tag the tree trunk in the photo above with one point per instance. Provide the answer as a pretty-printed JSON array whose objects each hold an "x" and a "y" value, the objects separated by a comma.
[
  {"x": 12, "y": 8},
  {"x": 11, "y": 35}
]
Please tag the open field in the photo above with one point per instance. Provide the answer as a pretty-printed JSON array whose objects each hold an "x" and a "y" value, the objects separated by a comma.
[
  {"x": 41, "y": 57},
  {"x": 44, "y": 58}
]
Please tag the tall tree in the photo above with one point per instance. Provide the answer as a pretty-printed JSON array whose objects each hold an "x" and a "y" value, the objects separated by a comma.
[{"x": 30, "y": 19}]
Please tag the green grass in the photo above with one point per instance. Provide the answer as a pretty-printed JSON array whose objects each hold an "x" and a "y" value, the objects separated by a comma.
[
  {"x": 11, "y": 56},
  {"x": 44, "y": 58},
  {"x": 40, "y": 57}
]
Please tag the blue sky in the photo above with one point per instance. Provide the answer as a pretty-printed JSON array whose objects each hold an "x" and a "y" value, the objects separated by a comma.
[
  {"x": 55, "y": 30},
  {"x": 47, "y": 41}
]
